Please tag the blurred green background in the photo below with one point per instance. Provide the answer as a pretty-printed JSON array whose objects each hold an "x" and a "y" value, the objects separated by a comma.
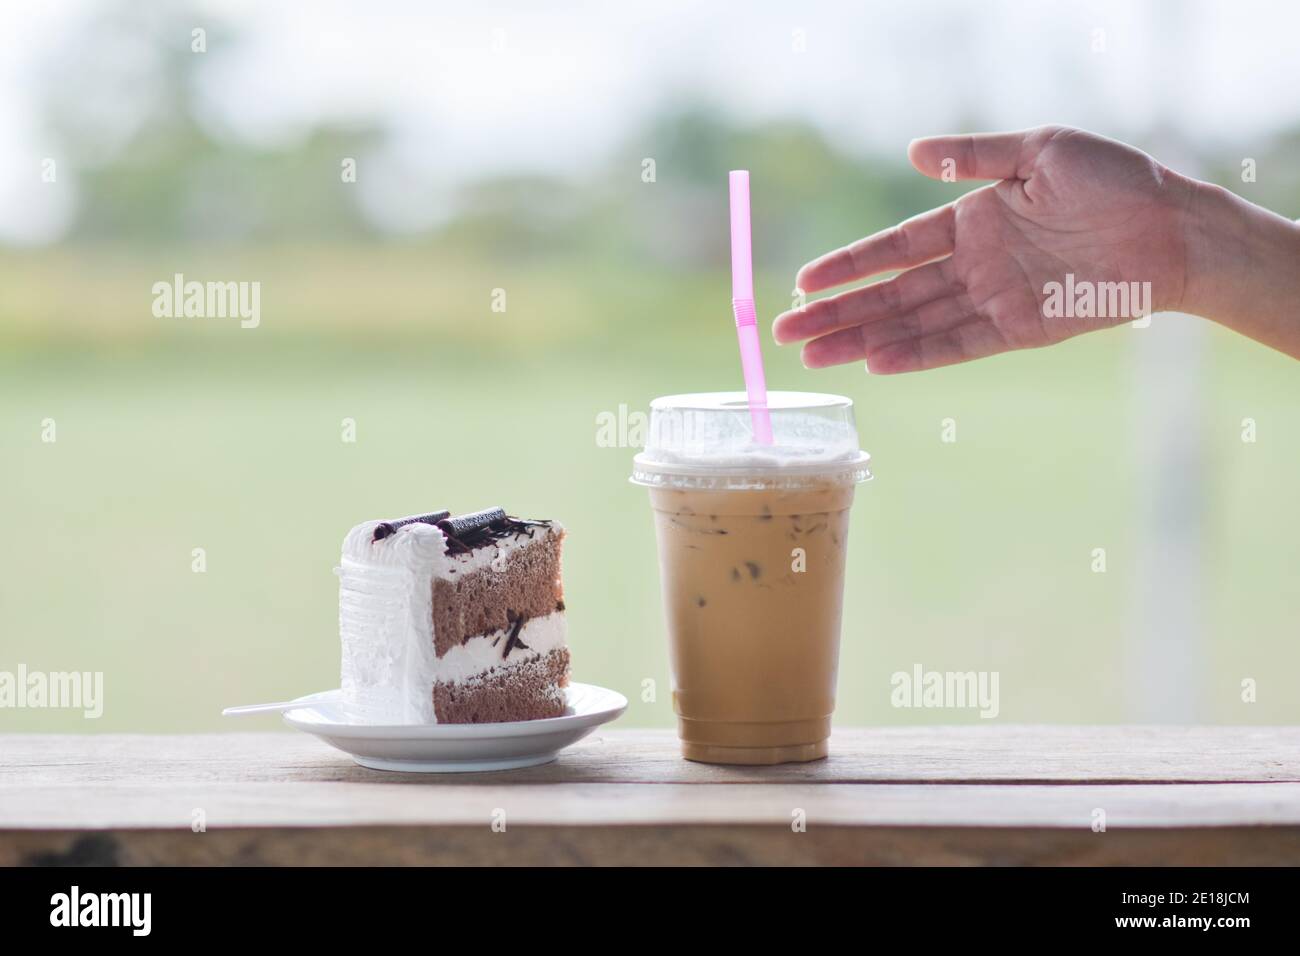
[{"x": 177, "y": 434}]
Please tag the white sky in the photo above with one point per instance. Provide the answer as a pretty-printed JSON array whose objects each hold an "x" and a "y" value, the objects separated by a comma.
[{"x": 572, "y": 78}]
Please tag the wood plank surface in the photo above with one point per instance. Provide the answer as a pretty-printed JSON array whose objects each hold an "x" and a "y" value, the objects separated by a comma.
[
  {"x": 580, "y": 805},
  {"x": 1008, "y": 754},
  {"x": 730, "y": 845},
  {"x": 923, "y": 795}
]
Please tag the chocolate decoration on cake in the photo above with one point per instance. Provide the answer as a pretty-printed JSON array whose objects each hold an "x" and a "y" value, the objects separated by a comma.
[
  {"x": 512, "y": 639},
  {"x": 467, "y": 532},
  {"x": 385, "y": 528},
  {"x": 463, "y": 526}
]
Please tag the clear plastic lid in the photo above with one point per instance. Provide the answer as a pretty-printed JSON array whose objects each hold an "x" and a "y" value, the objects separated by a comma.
[{"x": 706, "y": 440}]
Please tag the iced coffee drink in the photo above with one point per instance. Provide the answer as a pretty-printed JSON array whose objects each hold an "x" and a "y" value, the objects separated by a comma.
[{"x": 752, "y": 543}]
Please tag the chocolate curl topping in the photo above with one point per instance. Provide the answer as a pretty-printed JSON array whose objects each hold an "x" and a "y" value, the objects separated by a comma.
[
  {"x": 464, "y": 526},
  {"x": 385, "y": 528},
  {"x": 512, "y": 639}
]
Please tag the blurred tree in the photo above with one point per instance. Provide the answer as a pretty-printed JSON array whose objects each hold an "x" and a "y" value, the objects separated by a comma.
[
  {"x": 807, "y": 196},
  {"x": 124, "y": 100},
  {"x": 155, "y": 164}
]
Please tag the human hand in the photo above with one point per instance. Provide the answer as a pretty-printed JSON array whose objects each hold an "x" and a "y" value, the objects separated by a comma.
[{"x": 977, "y": 270}]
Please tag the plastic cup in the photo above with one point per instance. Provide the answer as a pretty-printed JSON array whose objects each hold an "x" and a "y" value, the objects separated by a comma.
[{"x": 752, "y": 541}]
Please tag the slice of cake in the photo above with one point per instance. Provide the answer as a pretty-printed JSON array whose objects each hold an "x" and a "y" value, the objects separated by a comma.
[{"x": 455, "y": 620}]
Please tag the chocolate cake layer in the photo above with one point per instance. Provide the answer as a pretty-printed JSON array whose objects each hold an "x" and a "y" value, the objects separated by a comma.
[
  {"x": 488, "y": 600},
  {"x": 530, "y": 690}
]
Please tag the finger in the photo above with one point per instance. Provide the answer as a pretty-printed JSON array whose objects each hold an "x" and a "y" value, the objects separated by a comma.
[
  {"x": 911, "y": 243},
  {"x": 975, "y": 339},
  {"x": 972, "y": 156},
  {"x": 861, "y": 342},
  {"x": 880, "y": 299}
]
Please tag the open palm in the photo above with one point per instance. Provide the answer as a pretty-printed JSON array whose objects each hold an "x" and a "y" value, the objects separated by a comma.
[{"x": 977, "y": 270}]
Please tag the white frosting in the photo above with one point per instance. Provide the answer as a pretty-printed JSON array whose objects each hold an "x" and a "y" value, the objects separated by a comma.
[{"x": 386, "y": 620}]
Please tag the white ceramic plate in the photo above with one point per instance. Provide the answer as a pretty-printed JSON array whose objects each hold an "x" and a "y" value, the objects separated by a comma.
[{"x": 455, "y": 748}]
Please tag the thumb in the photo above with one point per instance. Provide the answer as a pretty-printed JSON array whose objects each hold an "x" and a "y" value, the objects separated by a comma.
[{"x": 972, "y": 156}]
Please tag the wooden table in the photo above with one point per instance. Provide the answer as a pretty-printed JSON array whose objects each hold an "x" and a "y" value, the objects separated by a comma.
[{"x": 938, "y": 795}]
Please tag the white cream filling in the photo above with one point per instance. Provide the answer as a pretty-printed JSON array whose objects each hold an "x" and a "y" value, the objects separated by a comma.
[
  {"x": 540, "y": 635},
  {"x": 386, "y": 620}
]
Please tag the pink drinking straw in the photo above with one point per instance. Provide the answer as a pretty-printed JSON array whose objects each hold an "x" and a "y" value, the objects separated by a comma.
[{"x": 742, "y": 305}]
